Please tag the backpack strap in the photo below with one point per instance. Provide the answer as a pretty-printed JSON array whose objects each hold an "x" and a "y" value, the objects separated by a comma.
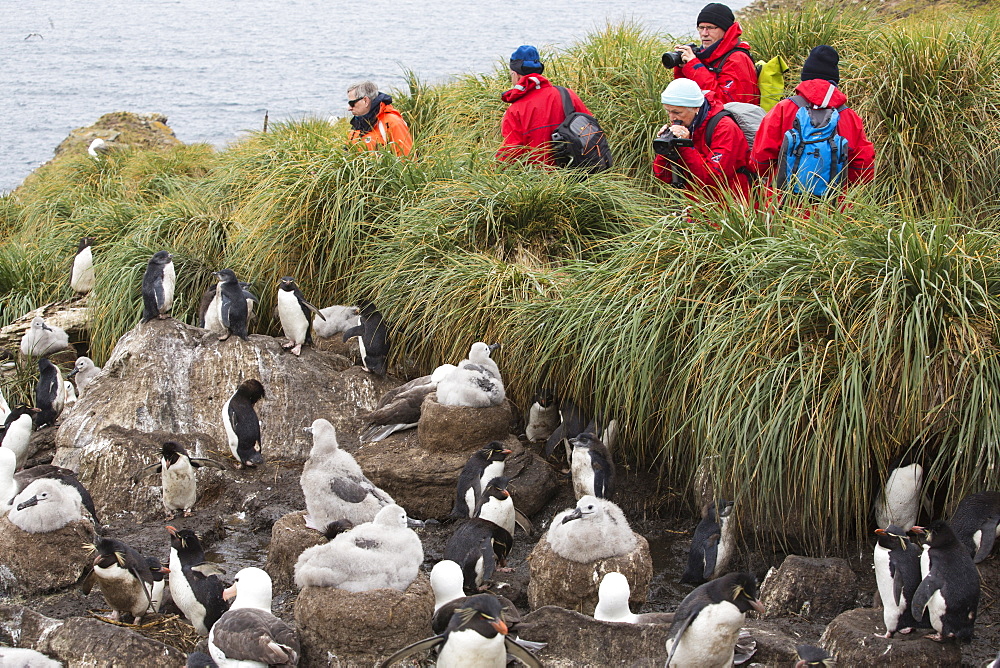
[
  {"x": 567, "y": 102},
  {"x": 716, "y": 69},
  {"x": 712, "y": 122},
  {"x": 805, "y": 104}
]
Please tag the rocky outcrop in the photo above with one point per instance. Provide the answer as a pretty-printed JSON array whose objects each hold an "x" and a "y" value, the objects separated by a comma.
[
  {"x": 32, "y": 563},
  {"x": 290, "y": 537},
  {"x": 807, "y": 587},
  {"x": 84, "y": 643},
  {"x": 360, "y": 628},
  {"x": 852, "y": 641},
  {"x": 166, "y": 379},
  {"x": 575, "y": 639},
  {"x": 460, "y": 429},
  {"x": 573, "y": 585},
  {"x": 121, "y": 129}
]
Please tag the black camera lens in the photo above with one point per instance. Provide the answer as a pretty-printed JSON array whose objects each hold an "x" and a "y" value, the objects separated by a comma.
[
  {"x": 672, "y": 59},
  {"x": 667, "y": 143}
]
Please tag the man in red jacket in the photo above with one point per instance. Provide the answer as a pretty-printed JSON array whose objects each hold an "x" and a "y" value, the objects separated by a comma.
[
  {"x": 717, "y": 164},
  {"x": 535, "y": 110},
  {"x": 818, "y": 90},
  {"x": 722, "y": 64}
]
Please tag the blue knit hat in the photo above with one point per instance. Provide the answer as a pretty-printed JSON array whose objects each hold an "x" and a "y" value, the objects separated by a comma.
[
  {"x": 526, "y": 61},
  {"x": 682, "y": 93}
]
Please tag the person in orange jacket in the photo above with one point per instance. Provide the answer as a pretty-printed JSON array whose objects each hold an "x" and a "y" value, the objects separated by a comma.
[
  {"x": 376, "y": 122},
  {"x": 722, "y": 64}
]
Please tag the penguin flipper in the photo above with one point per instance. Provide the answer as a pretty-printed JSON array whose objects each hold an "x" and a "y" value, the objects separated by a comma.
[
  {"x": 312, "y": 308},
  {"x": 87, "y": 580},
  {"x": 489, "y": 558},
  {"x": 897, "y": 587},
  {"x": 681, "y": 628},
  {"x": 348, "y": 490},
  {"x": 357, "y": 330},
  {"x": 711, "y": 555},
  {"x": 520, "y": 519},
  {"x": 149, "y": 470},
  {"x": 424, "y": 645},
  {"x": 928, "y": 586},
  {"x": 206, "y": 569},
  {"x": 200, "y": 461},
  {"x": 988, "y": 537},
  {"x": 520, "y": 653}
]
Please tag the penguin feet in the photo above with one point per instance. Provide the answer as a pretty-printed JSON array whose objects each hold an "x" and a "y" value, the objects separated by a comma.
[
  {"x": 936, "y": 637},
  {"x": 170, "y": 514},
  {"x": 163, "y": 316},
  {"x": 188, "y": 512},
  {"x": 505, "y": 569},
  {"x": 887, "y": 636},
  {"x": 223, "y": 337},
  {"x": 908, "y": 629},
  {"x": 286, "y": 346},
  {"x": 297, "y": 350}
]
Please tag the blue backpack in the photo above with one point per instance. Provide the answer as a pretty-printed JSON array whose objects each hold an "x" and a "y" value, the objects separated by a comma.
[{"x": 813, "y": 157}]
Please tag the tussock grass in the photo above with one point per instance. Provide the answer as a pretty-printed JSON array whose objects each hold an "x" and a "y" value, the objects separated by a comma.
[{"x": 792, "y": 353}]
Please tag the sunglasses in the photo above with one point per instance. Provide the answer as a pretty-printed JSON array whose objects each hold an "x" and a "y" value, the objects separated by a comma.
[{"x": 351, "y": 103}]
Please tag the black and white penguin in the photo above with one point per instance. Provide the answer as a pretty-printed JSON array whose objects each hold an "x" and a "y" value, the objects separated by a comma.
[
  {"x": 248, "y": 634},
  {"x": 612, "y": 603},
  {"x": 195, "y": 586},
  {"x": 897, "y": 574},
  {"x": 572, "y": 423},
  {"x": 899, "y": 501},
  {"x": 810, "y": 655},
  {"x": 242, "y": 425},
  {"x": 592, "y": 468},
  {"x": 43, "y": 339},
  {"x": 177, "y": 478},
  {"x": 231, "y": 310},
  {"x": 476, "y": 636},
  {"x": 123, "y": 576},
  {"x": 17, "y": 432},
  {"x": 707, "y": 622},
  {"x": 82, "y": 278},
  {"x": 293, "y": 312},
  {"x": 543, "y": 417},
  {"x": 208, "y": 308},
  {"x": 976, "y": 523},
  {"x": 159, "y": 590},
  {"x": 484, "y": 465},
  {"x": 373, "y": 338},
  {"x": 45, "y": 505},
  {"x": 950, "y": 586},
  {"x": 85, "y": 371},
  {"x": 158, "y": 286},
  {"x": 335, "y": 320},
  {"x": 479, "y": 547},
  {"x": 334, "y": 486},
  {"x": 50, "y": 393},
  {"x": 712, "y": 544},
  {"x": 399, "y": 408},
  {"x": 476, "y": 383}
]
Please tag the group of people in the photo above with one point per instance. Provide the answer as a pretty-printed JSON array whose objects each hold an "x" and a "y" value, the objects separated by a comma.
[{"x": 709, "y": 157}]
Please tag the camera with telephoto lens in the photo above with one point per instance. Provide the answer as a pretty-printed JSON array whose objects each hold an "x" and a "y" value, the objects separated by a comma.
[
  {"x": 666, "y": 143},
  {"x": 672, "y": 59}
]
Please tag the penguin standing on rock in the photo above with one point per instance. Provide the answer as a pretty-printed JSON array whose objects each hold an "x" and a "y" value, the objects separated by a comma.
[
  {"x": 50, "y": 393},
  {"x": 158, "y": 286},
  {"x": 707, "y": 622},
  {"x": 123, "y": 576},
  {"x": 293, "y": 311},
  {"x": 976, "y": 523},
  {"x": 592, "y": 468},
  {"x": 897, "y": 573},
  {"x": 195, "y": 586},
  {"x": 483, "y": 466},
  {"x": 232, "y": 311},
  {"x": 712, "y": 544},
  {"x": 17, "y": 432},
  {"x": 82, "y": 278},
  {"x": 177, "y": 475},
  {"x": 208, "y": 308},
  {"x": 373, "y": 339},
  {"x": 950, "y": 587},
  {"x": 242, "y": 425}
]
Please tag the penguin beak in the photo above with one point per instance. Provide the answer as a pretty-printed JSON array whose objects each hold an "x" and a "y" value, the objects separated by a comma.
[
  {"x": 172, "y": 531},
  {"x": 33, "y": 501},
  {"x": 918, "y": 530},
  {"x": 575, "y": 515},
  {"x": 500, "y": 626},
  {"x": 229, "y": 593},
  {"x": 880, "y": 532},
  {"x": 164, "y": 569},
  {"x": 506, "y": 452},
  {"x": 757, "y": 605}
]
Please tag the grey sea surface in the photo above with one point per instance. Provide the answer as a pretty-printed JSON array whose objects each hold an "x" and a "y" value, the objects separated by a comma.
[{"x": 214, "y": 67}]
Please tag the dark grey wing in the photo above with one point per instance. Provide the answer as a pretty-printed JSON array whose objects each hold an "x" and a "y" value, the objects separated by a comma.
[
  {"x": 520, "y": 653},
  {"x": 424, "y": 645},
  {"x": 200, "y": 461},
  {"x": 520, "y": 519},
  {"x": 489, "y": 556},
  {"x": 711, "y": 555},
  {"x": 207, "y": 569},
  {"x": 604, "y": 472},
  {"x": 686, "y": 613},
  {"x": 897, "y": 582},
  {"x": 348, "y": 490},
  {"x": 928, "y": 586},
  {"x": 251, "y": 634},
  {"x": 357, "y": 330},
  {"x": 227, "y": 308},
  {"x": 306, "y": 306},
  {"x": 988, "y": 534},
  {"x": 149, "y": 470}
]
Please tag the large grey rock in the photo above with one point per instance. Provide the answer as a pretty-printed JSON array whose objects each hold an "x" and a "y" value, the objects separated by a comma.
[
  {"x": 290, "y": 537},
  {"x": 573, "y": 585},
  {"x": 32, "y": 563},
  {"x": 460, "y": 429},
  {"x": 166, "y": 378},
  {"x": 81, "y": 642},
  {"x": 808, "y": 587},
  {"x": 338, "y": 627},
  {"x": 852, "y": 641},
  {"x": 575, "y": 639},
  {"x": 774, "y": 646}
]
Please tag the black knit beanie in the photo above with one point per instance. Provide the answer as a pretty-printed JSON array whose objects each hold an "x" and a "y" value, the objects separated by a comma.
[
  {"x": 822, "y": 64},
  {"x": 717, "y": 14}
]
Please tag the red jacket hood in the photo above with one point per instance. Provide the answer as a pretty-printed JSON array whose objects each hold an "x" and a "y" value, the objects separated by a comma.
[
  {"x": 815, "y": 91},
  {"x": 729, "y": 41},
  {"x": 524, "y": 85}
]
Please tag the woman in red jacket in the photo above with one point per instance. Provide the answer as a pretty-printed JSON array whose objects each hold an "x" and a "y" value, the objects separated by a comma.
[
  {"x": 718, "y": 166},
  {"x": 722, "y": 64}
]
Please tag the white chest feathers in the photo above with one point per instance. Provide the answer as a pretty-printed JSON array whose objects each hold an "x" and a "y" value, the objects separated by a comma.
[
  {"x": 293, "y": 321},
  {"x": 169, "y": 279},
  {"x": 709, "y": 640},
  {"x": 467, "y": 648}
]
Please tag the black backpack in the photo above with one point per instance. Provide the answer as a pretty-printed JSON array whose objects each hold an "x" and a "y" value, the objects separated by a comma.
[{"x": 579, "y": 142}]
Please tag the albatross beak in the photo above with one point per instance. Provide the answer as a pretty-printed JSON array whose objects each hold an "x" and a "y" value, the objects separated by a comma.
[
  {"x": 575, "y": 515},
  {"x": 33, "y": 501}
]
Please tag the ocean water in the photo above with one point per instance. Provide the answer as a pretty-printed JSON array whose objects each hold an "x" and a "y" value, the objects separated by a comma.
[{"x": 214, "y": 68}]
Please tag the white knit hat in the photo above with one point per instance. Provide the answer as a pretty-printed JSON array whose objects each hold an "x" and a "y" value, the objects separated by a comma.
[{"x": 682, "y": 93}]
